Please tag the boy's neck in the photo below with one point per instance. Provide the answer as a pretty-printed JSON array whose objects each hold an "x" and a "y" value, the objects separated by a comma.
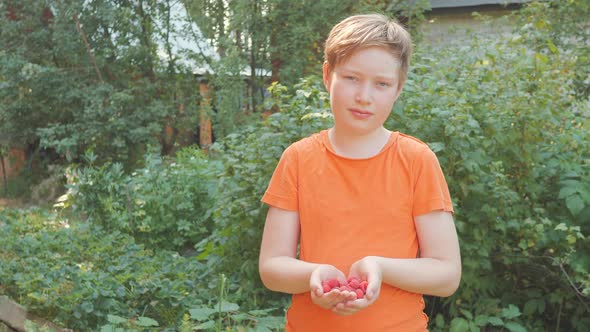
[{"x": 358, "y": 146}]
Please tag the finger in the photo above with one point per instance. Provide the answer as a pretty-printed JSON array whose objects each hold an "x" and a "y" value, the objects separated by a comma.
[
  {"x": 343, "y": 300},
  {"x": 319, "y": 291},
  {"x": 342, "y": 310},
  {"x": 357, "y": 304},
  {"x": 329, "y": 299}
]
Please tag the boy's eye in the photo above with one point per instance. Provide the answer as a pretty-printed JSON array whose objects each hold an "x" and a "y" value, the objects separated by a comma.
[
  {"x": 351, "y": 78},
  {"x": 384, "y": 84}
]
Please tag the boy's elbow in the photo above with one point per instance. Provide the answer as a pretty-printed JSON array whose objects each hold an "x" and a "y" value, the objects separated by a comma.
[
  {"x": 448, "y": 291},
  {"x": 451, "y": 286},
  {"x": 265, "y": 275}
]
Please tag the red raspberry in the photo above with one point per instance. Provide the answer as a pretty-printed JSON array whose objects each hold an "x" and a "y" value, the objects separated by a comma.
[
  {"x": 333, "y": 283},
  {"x": 363, "y": 285},
  {"x": 354, "y": 283},
  {"x": 359, "y": 293},
  {"x": 352, "y": 278}
]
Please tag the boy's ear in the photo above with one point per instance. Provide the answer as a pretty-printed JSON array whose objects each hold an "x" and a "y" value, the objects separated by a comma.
[{"x": 326, "y": 71}]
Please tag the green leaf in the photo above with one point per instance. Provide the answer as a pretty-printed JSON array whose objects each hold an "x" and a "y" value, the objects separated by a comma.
[
  {"x": 481, "y": 320},
  {"x": 561, "y": 227},
  {"x": 467, "y": 314},
  {"x": 567, "y": 191},
  {"x": 515, "y": 327},
  {"x": 473, "y": 327},
  {"x": 146, "y": 322},
  {"x": 436, "y": 146},
  {"x": 201, "y": 314},
  {"x": 459, "y": 325},
  {"x": 542, "y": 58},
  {"x": 511, "y": 312},
  {"x": 228, "y": 306},
  {"x": 258, "y": 312},
  {"x": 439, "y": 321},
  {"x": 529, "y": 307},
  {"x": 271, "y": 322},
  {"x": 575, "y": 204},
  {"x": 261, "y": 328},
  {"x": 87, "y": 307},
  {"x": 495, "y": 321},
  {"x": 107, "y": 328},
  {"x": 206, "y": 325},
  {"x": 116, "y": 319},
  {"x": 552, "y": 47}
]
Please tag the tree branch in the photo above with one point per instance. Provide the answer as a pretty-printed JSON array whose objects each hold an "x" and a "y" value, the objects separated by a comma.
[
  {"x": 190, "y": 21},
  {"x": 83, "y": 35}
]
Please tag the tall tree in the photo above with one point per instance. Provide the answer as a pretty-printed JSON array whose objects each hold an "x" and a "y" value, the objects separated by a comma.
[
  {"x": 99, "y": 75},
  {"x": 282, "y": 40}
]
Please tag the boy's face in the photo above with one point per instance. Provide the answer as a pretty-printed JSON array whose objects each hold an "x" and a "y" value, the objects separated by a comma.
[{"x": 363, "y": 90}]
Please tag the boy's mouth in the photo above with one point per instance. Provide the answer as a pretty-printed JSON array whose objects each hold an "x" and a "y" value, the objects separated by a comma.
[{"x": 360, "y": 113}]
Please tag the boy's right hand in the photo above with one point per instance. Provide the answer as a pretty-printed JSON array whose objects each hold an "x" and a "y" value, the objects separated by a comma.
[{"x": 331, "y": 299}]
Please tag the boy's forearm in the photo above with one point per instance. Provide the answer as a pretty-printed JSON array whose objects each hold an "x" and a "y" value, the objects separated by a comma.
[
  {"x": 427, "y": 276},
  {"x": 286, "y": 274}
]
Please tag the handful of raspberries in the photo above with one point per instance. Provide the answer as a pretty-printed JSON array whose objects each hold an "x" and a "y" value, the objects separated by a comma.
[{"x": 353, "y": 284}]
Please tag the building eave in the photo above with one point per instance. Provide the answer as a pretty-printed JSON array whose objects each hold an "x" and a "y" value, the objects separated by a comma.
[{"x": 439, "y": 4}]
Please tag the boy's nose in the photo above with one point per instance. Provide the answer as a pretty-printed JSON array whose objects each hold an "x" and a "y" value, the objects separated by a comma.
[{"x": 363, "y": 95}]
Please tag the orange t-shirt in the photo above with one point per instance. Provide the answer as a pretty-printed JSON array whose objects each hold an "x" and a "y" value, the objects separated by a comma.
[{"x": 352, "y": 208}]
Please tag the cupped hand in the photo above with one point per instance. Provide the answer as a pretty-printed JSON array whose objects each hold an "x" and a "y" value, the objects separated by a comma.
[
  {"x": 334, "y": 297},
  {"x": 368, "y": 269}
]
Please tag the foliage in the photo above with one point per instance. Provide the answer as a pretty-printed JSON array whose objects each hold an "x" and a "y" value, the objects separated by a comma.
[
  {"x": 509, "y": 134},
  {"x": 560, "y": 26},
  {"x": 77, "y": 274},
  {"x": 277, "y": 40},
  {"x": 508, "y": 118},
  {"x": 522, "y": 209},
  {"x": 229, "y": 95},
  {"x": 111, "y": 75},
  {"x": 82, "y": 276},
  {"x": 249, "y": 157},
  {"x": 89, "y": 75},
  {"x": 163, "y": 205}
]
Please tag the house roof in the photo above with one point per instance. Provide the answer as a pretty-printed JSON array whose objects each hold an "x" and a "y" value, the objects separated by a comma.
[{"x": 434, "y": 4}]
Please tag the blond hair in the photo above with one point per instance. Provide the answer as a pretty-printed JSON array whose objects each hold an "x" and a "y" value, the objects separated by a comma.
[{"x": 362, "y": 31}]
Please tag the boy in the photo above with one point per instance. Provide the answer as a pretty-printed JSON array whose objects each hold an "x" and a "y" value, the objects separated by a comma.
[{"x": 361, "y": 200}]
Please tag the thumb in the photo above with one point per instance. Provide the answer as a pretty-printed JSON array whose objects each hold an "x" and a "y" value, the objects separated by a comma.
[
  {"x": 371, "y": 292},
  {"x": 319, "y": 291}
]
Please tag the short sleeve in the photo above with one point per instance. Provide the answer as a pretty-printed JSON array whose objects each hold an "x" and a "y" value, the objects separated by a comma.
[
  {"x": 431, "y": 192},
  {"x": 282, "y": 191}
]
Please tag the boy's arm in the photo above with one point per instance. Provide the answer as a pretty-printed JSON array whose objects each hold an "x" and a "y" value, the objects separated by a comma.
[
  {"x": 438, "y": 270},
  {"x": 278, "y": 266}
]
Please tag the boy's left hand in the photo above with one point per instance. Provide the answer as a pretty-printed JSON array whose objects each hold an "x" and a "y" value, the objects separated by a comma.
[{"x": 365, "y": 269}]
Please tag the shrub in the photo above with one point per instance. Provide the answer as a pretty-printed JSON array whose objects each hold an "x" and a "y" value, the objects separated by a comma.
[
  {"x": 76, "y": 275},
  {"x": 164, "y": 204},
  {"x": 249, "y": 157},
  {"x": 509, "y": 135}
]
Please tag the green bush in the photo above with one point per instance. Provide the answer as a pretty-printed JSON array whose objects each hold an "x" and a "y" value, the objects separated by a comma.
[
  {"x": 83, "y": 277},
  {"x": 510, "y": 137},
  {"x": 512, "y": 140},
  {"x": 165, "y": 204},
  {"x": 249, "y": 157},
  {"x": 78, "y": 274}
]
